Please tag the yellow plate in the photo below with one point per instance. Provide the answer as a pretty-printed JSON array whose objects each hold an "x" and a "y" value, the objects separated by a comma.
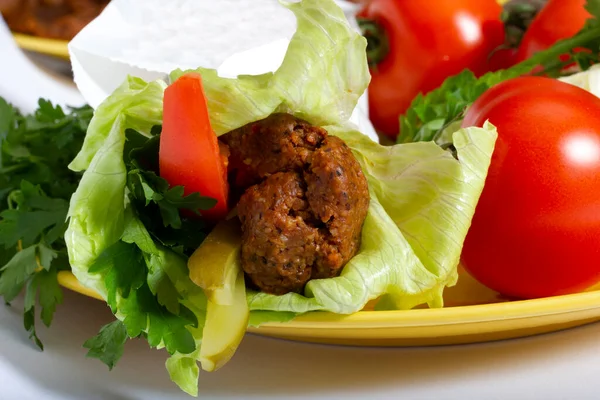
[
  {"x": 51, "y": 47},
  {"x": 472, "y": 314}
]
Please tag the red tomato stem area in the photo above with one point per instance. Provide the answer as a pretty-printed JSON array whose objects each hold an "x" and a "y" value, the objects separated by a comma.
[
  {"x": 536, "y": 228},
  {"x": 423, "y": 46},
  {"x": 189, "y": 153}
]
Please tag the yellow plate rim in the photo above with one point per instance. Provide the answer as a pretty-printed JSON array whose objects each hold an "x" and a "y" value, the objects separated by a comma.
[
  {"x": 519, "y": 309},
  {"x": 53, "y": 47}
]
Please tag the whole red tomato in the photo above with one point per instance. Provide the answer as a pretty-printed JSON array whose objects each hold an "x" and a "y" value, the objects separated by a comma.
[
  {"x": 536, "y": 228},
  {"x": 426, "y": 43},
  {"x": 558, "y": 19}
]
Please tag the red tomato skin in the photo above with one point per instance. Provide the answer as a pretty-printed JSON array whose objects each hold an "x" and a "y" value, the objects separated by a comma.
[
  {"x": 503, "y": 59},
  {"x": 536, "y": 228},
  {"x": 427, "y": 45},
  {"x": 189, "y": 151},
  {"x": 558, "y": 19}
]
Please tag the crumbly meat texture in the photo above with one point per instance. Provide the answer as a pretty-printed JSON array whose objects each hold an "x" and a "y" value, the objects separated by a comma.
[
  {"x": 278, "y": 246},
  {"x": 278, "y": 143},
  {"x": 303, "y": 205}
]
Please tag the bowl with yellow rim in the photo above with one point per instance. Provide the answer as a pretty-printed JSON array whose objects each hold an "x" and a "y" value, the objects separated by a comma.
[{"x": 52, "y": 47}]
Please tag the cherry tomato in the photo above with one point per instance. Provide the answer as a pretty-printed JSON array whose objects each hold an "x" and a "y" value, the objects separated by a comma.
[
  {"x": 559, "y": 19},
  {"x": 426, "y": 43},
  {"x": 536, "y": 228}
]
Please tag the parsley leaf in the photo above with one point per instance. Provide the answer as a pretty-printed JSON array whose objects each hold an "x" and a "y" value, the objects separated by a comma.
[
  {"x": 135, "y": 232},
  {"x": 6, "y": 117},
  {"x": 16, "y": 272},
  {"x": 35, "y": 188},
  {"x": 29, "y": 325},
  {"x": 144, "y": 313},
  {"x": 50, "y": 294},
  {"x": 164, "y": 289},
  {"x": 147, "y": 188},
  {"x": 150, "y": 307},
  {"x": 34, "y": 214},
  {"x": 124, "y": 268},
  {"x": 45, "y": 285},
  {"x": 46, "y": 256},
  {"x": 108, "y": 344}
]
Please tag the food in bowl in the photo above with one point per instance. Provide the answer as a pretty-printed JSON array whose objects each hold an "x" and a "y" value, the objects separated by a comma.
[{"x": 53, "y": 19}]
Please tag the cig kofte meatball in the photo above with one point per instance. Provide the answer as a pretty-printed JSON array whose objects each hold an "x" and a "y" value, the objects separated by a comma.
[{"x": 303, "y": 201}]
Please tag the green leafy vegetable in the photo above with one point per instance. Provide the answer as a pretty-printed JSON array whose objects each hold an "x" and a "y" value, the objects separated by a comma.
[
  {"x": 45, "y": 285},
  {"x": 33, "y": 213},
  {"x": 29, "y": 324},
  {"x": 134, "y": 105},
  {"x": 429, "y": 115},
  {"x": 150, "y": 188},
  {"x": 49, "y": 292},
  {"x": 258, "y": 317},
  {"x": 184, "y": 370},
  {"x": 35, "y": 187},
  {"x": 125, "y": 270},
  {"x": 16, "y": 272},
  {"x": 127, "y": 240},
  {"x": 163, "y": 328},
  {"x": 108, "y": 344}
]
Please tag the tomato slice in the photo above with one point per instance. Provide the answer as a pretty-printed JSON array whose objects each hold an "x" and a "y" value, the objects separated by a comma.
[{"x": 189, "y": 152}]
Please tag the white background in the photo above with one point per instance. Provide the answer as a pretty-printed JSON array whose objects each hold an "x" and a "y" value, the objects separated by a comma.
[{"x": 563, "y": 365}]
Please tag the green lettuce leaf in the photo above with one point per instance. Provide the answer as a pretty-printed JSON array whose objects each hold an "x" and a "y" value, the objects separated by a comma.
[
  {"x": 422, "y": 203},
  {"x": 97, "y": 209},
  {"x": 259, "y": 317},
  {"x": 183, "y": 370},
  {"x": 135, "y": 105}
]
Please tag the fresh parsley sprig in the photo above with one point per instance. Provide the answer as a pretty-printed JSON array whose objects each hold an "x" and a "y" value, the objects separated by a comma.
[{"x": 35, "y": 188}]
